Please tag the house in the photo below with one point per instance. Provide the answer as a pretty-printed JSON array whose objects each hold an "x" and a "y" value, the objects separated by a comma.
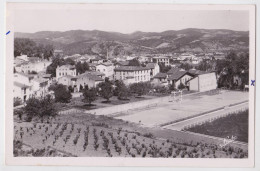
[
  {"x": 65, "y": 70},
  {"x": 22, "y": 91},
  {"x": 178, "y": 76},
  {"x": 67, "y": 80},
  {"x": 132, "y": 74},
  {"x": 181, "y": 77},
  {"x": 87, "y": 79},
  {"x": 154, "y": 69},
  {"x": 22, "y": 86},
  {"x": 39, "y": 87},
  {"x": 106, "y": 68},
  {"x": 92, "y": 66},
  {"x": 160, "y": 79},
  {"x": 203, "y": 82},
  {"x": 163, "y": 59},
  {"x": 35, "y": 65}
]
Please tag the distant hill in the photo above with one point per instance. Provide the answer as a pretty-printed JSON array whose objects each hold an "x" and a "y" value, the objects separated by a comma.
[{"x": 99, "y": 42}]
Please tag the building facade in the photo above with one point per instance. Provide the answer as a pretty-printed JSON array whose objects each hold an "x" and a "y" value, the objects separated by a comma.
[
  {"x": 65, "y": 70},
  {"x": 132, "y": 74},
  {"x": 164, "y": 60}
]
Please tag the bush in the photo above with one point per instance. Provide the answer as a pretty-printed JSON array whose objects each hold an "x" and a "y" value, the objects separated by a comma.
[
  {"x": 62, "y": 94},
  {"x": 141, "y": 88}
]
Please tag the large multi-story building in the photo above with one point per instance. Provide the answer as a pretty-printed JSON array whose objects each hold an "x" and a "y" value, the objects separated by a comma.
[
  {"x": 164, "y": 60},
  {"x": 132, "y": 74},
  {"x": 65, "y": 70}
]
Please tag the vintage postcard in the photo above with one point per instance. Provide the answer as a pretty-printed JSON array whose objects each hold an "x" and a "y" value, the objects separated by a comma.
[{"x": 130, "y": 85}]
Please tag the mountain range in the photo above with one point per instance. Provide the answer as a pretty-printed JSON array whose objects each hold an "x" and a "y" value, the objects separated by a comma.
[{"x": 118, "y": 44}]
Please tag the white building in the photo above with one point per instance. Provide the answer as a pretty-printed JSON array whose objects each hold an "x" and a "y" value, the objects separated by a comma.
[
  {"x": 106, "y": 68},
  {"x": 22, "y": 86},
  {"x": 87, "y": 79},
  {"x": 154, "y": 69},
  {"x": 203, "y": 82},
  {"x": 164, "y": 60},
  {"x": 37, "y": 66},
  {"x": 132, "y": 74},
  {"x": 65, "y": 70},
  {"x": 40, "y": 87}
]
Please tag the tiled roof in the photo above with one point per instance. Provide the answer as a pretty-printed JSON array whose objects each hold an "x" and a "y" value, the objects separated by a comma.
[
  {"x": 131, "y": 68},
  {"x": 20, "y": 85},
  {"x": 160, "y": 75},
  {"x": 123, "y": 63},
  {"x": 67, "y": 67},
  {"x": 26, "y": 75},
  {"x": 177, "y": 75},
  {"x": 151, "y": 65},
  {"x": 40, "y": 80},
  {"x": 94, "y": 73},
  {"x": 174, "y": 70},
  {"x": 90, "y": 76}
]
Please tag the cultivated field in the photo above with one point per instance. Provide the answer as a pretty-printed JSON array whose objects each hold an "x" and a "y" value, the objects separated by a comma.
[{"x": 90, "y": 135}]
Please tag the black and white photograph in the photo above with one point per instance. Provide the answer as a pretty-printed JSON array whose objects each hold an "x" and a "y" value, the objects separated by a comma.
[{"x": 137, "y": 82}]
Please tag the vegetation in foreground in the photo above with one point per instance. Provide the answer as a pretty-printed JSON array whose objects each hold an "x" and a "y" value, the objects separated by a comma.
[
  {"x": 235, "y": 124},
  {"x": 101, "y": 136}
]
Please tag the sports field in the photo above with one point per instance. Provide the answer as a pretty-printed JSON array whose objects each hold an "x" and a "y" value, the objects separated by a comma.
[{"x": 191, "y": 105}]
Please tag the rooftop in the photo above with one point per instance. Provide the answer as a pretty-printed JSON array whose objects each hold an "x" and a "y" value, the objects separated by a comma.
[
  {"x": 67, "y": 67},
  {"x": 174, "y": 70},
  {"x": 178, "y": 75},
  {"x": 131, "y": 68},
  {"x": 151, "y": 65},
  {"x": 20, "y": 85},
  {"x": 160, "y": 75}
]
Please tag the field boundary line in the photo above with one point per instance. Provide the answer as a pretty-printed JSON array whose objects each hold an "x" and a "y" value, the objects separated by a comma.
[{"x": 199, "y": 115}]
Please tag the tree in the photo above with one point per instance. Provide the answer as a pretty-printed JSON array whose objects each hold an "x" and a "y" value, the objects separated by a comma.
[
  {"x": 41, "y": 108},
  {"x": 163, "y": 68},
  {"x": 70, "y": 88},
  {"x": 233, "y": 65},
  {"x": 121, "y": 90},
  {"x": 134, "y": 62},
  {"x": 82, "y": 67},
  {"x": 204, "y": 66},
  {"x": 62, "y": 94},
  {"x": 186, "y": 66},
  {"x": 106, "y": 89},
  {"x": 90, "y": 95},
  {"x": 181, "y": 86},
  {"x": 141, "y": 88}
]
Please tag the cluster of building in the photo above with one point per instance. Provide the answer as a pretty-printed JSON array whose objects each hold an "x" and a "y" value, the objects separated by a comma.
[{"x": 30, "y": 78}]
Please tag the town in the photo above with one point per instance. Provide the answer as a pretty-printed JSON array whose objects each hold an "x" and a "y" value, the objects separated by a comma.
[{"x": 113, "y": 98}]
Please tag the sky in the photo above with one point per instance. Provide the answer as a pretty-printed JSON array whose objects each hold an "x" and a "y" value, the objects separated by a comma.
[{"x": 129, "y": 21}]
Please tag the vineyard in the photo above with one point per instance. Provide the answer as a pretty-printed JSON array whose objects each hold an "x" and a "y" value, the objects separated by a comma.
[{"x": 99, "y": 140}]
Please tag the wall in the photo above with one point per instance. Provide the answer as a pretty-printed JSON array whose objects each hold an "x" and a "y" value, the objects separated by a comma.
[
  {"x": 207, "y": 82},
  {"x": 194, "y": 84}
]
